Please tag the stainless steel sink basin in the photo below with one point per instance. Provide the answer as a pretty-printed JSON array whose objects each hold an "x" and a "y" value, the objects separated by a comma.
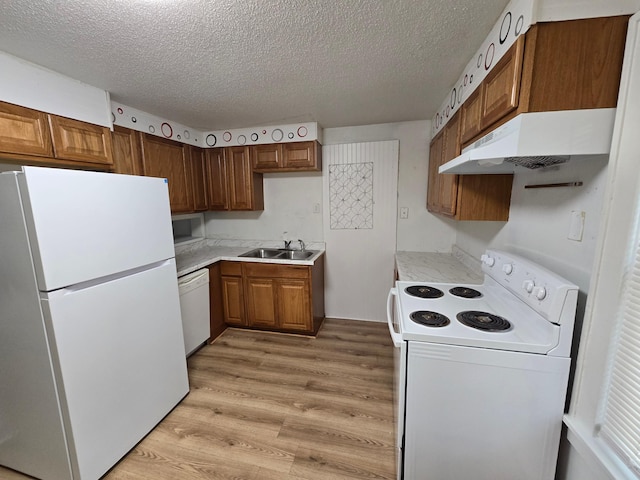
[
  {"x": 297, "y": 254},
  {"x": 279, "y": 254},
  {"x": 262, "y": 253}
]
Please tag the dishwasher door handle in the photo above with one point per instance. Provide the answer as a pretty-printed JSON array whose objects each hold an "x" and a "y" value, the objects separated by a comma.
[{"x": 184, "y": 283}]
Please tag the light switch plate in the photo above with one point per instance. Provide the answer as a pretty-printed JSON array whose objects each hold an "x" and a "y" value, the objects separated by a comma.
[{"x": 404, "y": 213}]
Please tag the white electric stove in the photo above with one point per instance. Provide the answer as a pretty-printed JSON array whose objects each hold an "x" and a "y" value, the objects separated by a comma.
[{"x": 482, "y": 371}]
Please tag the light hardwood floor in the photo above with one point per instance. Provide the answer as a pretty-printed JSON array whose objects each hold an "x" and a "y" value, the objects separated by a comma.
[{"x": 267, "y": 406}]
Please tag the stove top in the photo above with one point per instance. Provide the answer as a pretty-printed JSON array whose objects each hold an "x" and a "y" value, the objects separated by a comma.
[{"x": 520, "y": 306}]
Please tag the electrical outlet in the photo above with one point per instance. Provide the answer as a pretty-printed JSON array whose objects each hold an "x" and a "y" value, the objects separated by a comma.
[{"x": 404, "y": 213}]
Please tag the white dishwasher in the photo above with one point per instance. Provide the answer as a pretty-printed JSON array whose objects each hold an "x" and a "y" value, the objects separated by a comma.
[{"x": 194, "y": 305}]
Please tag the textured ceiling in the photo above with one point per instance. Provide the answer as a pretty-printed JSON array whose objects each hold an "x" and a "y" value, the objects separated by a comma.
[{"x": 214, "y": 64}]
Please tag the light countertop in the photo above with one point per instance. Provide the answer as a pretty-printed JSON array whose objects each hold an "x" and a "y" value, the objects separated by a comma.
[
  {"x": 456, "y": 267},
  {"x": 202, "y": 253}
]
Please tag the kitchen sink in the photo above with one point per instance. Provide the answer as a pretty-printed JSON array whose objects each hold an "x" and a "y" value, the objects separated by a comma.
[
  {"x": 262, "y": 253},
  {"x": 297, "y": 254},
  {"x": 279, "y": 254}
]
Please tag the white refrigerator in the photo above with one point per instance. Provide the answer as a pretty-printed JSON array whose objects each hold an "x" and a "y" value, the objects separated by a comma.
[{"x": 91, "y": 342}]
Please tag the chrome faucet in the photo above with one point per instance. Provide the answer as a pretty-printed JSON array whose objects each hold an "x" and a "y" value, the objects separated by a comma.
[
  {"x": 287, "y": 244},
  {"x": 302, "y": 247}
]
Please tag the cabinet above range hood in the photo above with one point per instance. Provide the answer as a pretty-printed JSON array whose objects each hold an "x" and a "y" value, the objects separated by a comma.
[{"x": 534, "y": 140}]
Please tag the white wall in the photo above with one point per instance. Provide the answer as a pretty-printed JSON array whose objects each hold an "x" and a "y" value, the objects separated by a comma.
[
  {"x": 289, "y": 203},
  {"x": 422, "y": 231},
  {"x": 539, "y": 219},
  {"x": 290, "y": 198},
  {"x": 27, "y": 84}
]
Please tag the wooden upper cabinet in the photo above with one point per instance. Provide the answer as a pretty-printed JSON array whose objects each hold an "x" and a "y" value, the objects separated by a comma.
[
  {"x": 501, "y": 88},
  {"x": 24, "y": 131},
  {"x": 80, "y": 141},
  {"x": 217, "y": 179},
  {"x": 245, "y": 186},
  {"x": 471, "y": 115},
  {"x": 287, "y": 157},
  {"x": 464, "y": 197},
  {"x": 127, "y": 151},
  {"x": 448, "y": 184},
  {"x": 199, "y": 181},
  {"x": 433, "y": 187},
  {"x": 570, "y": 65},
  {"x": 168, "y": 159},
  {"x": 302, "y": 156},
  {"x": 266, "y": 157},
  {"x": 574, "y": 64}
]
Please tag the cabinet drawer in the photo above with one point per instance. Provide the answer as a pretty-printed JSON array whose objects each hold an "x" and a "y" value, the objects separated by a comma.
[
  {"x": 272, "y": 270},
  {"x": 231, "y": 268}
]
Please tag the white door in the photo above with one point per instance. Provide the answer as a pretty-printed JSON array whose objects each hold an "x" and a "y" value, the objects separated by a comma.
[
  {"x": 86, "y": 225},
  {"x": 119, "y": 362},
  {"x": 360, "y": 206}
]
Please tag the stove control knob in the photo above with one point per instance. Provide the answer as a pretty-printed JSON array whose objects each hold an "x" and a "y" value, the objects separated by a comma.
[
  {"x": 487, "y": 260},
  {"x": 507, "y": 268},
  {"x": 528, "y": 285},
  {"x": 540, "y": 293}
]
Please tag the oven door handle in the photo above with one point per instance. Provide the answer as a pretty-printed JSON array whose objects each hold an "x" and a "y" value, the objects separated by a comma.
[{"x": 395, "y": 336}]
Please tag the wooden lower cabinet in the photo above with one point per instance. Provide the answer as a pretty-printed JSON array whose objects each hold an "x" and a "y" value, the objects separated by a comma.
[
  {"x": 286, "y": 298},
  {"x": 217, "y": 324}
]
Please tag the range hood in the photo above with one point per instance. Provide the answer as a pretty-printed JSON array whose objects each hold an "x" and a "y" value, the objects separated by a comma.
[{"x": 534, "y": 140}]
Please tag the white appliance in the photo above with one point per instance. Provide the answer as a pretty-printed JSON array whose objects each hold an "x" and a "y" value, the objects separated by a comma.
[
  {"x": 481, "y": 372},
  {"x": 194, "y": 305},
  {"x": 91, "y": 348},
  {"x": 517, "y": 145}
]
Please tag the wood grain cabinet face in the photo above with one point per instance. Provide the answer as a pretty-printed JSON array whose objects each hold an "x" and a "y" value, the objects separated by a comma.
[
  {"x": 433, "y": 185},
  {"x": 471, "y": 115},
  {"x": 245, "y": 186},
  {"x": 24, "y": 131},
  {"x": 287, "y": 157},
  {"x": 127, "y": 151},
  {"x": 449, "y": 183},
  {"x": 287, "y": 298},
  {"x": 302, "y": 156},
  {"x": 168, "y": 159},
  {"x": 217, "y": 179},
  {"x": 266, "y": 158},
  {"x": 261, "y": 302},
  {"x": 501, "y": 88},
  {"x": 199, "y": 185},
  {"x": 83, "y": 142},
  {"x": 294, "y": 308}
]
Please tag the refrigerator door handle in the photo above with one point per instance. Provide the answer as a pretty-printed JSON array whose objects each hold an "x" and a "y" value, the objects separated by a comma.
[{"x": 109, "y": 278}]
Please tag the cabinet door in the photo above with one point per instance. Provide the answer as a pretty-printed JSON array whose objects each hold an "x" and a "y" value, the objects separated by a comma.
[
  {"x": 168, "y": 159},
  {"x": 127, "y": 153},
  {"x": 471, "y": 116},
  {"x": 24, "y": 131},
  {"x": 198, "y": 179},
  {"x": 80, "y": 141},
  {"x": 433, "y": 185},
  {"x": 448, "y": 182},
  {"x": 242, "y": 180},
  {"x": 233, "y": 300},
  {"x": 261, "y": 306},
  {"x": 217, "y": 179},
  {"x": 294, "y": 308},
  {"x": 301, "y": 156},
  {"x": 501, "y": 90},
  {"x": 266, "y": 157}
]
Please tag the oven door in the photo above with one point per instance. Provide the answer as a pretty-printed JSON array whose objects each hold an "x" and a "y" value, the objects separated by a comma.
[{"x": 399, "y": 375}]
